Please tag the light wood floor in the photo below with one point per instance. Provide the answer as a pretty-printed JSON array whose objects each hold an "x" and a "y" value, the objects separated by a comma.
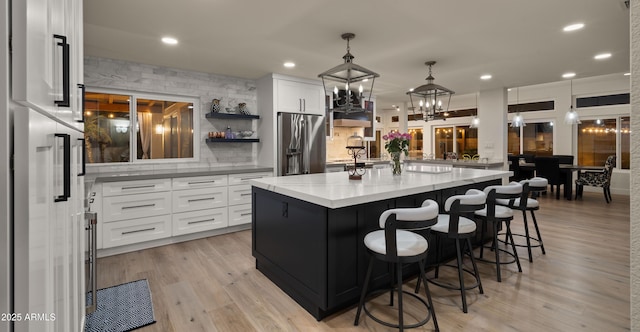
[{"x": 581, "y": 284}]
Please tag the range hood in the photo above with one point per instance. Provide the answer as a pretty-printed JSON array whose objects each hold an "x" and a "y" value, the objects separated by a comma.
[{"x": 359, "y": 119}]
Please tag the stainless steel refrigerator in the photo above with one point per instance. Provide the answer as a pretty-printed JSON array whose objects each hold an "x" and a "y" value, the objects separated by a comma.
[{"x": 301, "y": 143}]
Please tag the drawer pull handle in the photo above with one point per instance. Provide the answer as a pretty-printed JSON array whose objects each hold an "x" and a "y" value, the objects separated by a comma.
[
  {"x": 245, "y": 214},
  {"x": 201, "y": 199},
  {"x": 251, "y": 178},
  {"x": 139, "y": 230},
  {"x": 138, "y": 206},
  {"x": 200, "y": 182},
  {"x": 139, "y": 187},
  {"x": 245, "y": 194},
  {"x": 199, "y": 221}
]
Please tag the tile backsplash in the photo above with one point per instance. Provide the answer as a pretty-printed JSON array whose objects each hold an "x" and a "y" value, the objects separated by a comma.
[
  {"x": 125, "y": 76},
  {"x": 336, "y": 146}
]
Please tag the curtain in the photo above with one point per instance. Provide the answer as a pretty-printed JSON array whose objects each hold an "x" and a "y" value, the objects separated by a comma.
[{"x": 146, "y": 128}]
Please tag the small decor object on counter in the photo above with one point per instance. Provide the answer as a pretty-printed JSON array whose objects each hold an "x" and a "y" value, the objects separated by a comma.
[
  {"x": 215, "y": 105},
  {"x": 230, "y": 110},
  {"x": 242, "y": 108},
  {"x": 355, "y": 145},
  {"x": 396, "y": 145}
]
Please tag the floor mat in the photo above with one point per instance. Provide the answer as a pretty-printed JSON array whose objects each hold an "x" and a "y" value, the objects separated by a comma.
[{"x": 121, "y": 308}]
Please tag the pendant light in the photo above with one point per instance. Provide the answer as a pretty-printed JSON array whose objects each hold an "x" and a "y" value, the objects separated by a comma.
[
  {"x": 348, "y": 95},
  {"x": 433, "y": 99},
  {"x": 475, "y": 122},
  {"x": 571, "y": 117},
  {"x": 518, "y": 120}
]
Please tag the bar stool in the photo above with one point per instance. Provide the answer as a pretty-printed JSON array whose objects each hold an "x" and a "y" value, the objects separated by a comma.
[
  {"x": 498, "y": 215},
  {"x": 396, "y": 245},
  {"x": 461, "y": 229},
  {"x": 536, "y": 185}
]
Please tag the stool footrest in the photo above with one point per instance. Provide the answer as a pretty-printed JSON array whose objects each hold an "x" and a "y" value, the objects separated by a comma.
[
  {"x": 405, "y": 326},
  {"x": 443, "y": 285}
]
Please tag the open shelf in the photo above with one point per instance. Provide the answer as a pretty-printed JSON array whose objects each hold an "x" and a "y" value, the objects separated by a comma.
[
  {"x": 233, "y": 140},
  {"x": 231, "y": 116}
]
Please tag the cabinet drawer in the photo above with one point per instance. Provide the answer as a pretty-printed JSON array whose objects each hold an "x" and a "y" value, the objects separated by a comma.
[
  {"x": 135, "y": 187},
  {"x": 199, "y": 199},
  {"x": 136, "y": 206},
  {"x": 240, "y": 194},
  {"x": 134, "y": 231},
  {"x": 199, "y": 221},
  {"x": 199, "y": 182},
  {"x": 240, "y": 214},
  {"x": 244, "y": 178}
]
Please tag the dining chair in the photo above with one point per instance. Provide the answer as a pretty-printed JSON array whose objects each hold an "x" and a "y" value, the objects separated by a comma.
[
  {"x": 598, "y": 179},
  {"x": 549, "y": 168}
]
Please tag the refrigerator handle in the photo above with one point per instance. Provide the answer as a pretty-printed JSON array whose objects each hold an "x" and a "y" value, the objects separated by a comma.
[
  {"x": 92, "y": 218},
  {"x": 66, "y": 94},
  {"x": 81, "y": 101},
  {"x": 84, "y": 157},
  {"x": 66, "y": 168},
  {"x": 307, "y": 150}
]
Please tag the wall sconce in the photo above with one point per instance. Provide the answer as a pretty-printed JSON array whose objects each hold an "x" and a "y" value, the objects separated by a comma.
[
  {"x": 122, "y": 129},
  {"x": 159, "y": 129}
]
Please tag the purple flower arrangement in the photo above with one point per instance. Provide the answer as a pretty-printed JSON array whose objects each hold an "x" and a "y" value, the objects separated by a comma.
[{"x": 397, "y": 142}]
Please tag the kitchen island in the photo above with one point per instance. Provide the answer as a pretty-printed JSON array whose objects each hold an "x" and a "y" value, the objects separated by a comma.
[{"x": 308, "y": 230}]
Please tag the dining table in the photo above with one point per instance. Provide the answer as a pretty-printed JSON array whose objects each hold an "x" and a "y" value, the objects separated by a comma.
[{"x": 567, "y": 170}]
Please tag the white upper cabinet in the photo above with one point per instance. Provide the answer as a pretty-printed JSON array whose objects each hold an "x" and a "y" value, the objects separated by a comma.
[
  {"x": 299, "y": 97},
  {"x": 47, "y": 51}
]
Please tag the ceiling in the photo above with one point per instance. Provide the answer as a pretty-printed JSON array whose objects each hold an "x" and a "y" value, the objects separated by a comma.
[{"x": 518, "y": 42}]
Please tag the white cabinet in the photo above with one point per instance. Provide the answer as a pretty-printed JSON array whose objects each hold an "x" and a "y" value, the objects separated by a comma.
[
  {"x": 137, "y": 230},
  {"x": 48, "y": 232},
  {"x": 47, "y": 56},
  {"x": 199, "y": 221},
  {"x": 299, "y": 97},
  {"x": 199, "y": 199},
  {"x": 199, "y": 182},
  {"x": 240, "y": 197},
  {"x": 123, "y": 207},
  {"x": 135, "y": 187}
]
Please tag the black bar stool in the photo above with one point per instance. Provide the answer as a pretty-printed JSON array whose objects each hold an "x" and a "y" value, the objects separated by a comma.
[
  {"x": 535, "y": 186},
  {"x": 461, "y": 229},
  {"x": 498, "y": 215},
  {"x": 396, "y": 245}
]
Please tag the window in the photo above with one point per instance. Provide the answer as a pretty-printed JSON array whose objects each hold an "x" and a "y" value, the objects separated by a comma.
[
  {"x": 162, "y": 128},
  {"x": 443, "y": 141},
  {"x": 415, "y": 144},
  {"x": 598, "y": 139},
  {"x": 467, "y": 140},
  {"x": 534, "y": 138}
]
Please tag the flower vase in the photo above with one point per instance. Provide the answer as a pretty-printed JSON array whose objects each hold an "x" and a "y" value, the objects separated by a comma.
[{"x": 396, "y": 166}]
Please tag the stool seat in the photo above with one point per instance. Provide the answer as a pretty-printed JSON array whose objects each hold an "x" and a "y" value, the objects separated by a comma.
[
  {"x": 531, "y": 203},
  {"x": 408, "y": 243},
  {"x": 501, "y": 212},
  {"x": 465, "y": 225}
]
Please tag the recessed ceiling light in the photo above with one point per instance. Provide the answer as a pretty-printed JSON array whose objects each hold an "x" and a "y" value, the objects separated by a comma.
[
  {"x": 289, "y": 64},
  {"x": 169, "y": 40},
  {"x": 365, "y": 80},
  {"x": 602, "y": 56},
  {"x": 411, "y": 89},
  {"x": 568, "y": 75},
  {"x": 627, "y": 74},
  {"x": 509, "y": 89},
  {"x": 573, "y": 27},
  {"x": 485, "y": 77}
]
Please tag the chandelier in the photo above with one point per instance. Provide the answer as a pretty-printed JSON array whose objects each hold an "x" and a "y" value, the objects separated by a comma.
[
  {"x": 348, "y": 96},
  {"x": 475, "y": 122},
  {"x": 518, "y": 120},
  {"x": 433, "y": 99}
]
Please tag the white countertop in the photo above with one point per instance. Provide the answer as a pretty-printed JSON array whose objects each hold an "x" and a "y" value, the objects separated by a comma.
[{"x": 335, "y": 190}]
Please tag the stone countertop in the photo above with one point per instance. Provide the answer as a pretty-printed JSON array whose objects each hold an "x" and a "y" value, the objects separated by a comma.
[
  {"x": 335, "y": 190},
  {"x": 461, "y": 163},
  {"x": 131, "y": 175}
]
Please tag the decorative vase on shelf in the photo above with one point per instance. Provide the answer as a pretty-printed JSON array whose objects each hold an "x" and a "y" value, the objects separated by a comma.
[{"x": 396, "y": 166}]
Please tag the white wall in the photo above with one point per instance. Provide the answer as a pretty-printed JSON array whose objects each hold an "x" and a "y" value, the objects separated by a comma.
[{"x": 564, "y": 136}]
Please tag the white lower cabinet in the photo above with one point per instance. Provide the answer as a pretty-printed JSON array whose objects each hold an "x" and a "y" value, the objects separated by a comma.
[
  {"x": 124, "y": 207},
  {"x": 119, "y": 233},
  {"x": 198, "y": 199},
  {"x": 132, "y": 212},
  {"x": 199, "y": 221},
  {"x": 240, "y": 214}
]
